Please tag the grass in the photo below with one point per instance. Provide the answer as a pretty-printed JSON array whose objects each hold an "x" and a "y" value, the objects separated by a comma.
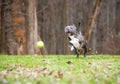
[{"x": 60, "y": 69}]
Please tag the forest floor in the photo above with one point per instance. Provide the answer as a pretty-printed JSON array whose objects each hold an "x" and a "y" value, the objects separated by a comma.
[{"x": 60, "y": 69}]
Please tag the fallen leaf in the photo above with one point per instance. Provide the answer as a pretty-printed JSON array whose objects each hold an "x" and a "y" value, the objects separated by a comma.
[
  {"x": 59, "y": 74},
  {"x": 69, "y": 62}
]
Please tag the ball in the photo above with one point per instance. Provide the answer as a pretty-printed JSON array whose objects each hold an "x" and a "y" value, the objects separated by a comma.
[{"x": 40, "y": 44}]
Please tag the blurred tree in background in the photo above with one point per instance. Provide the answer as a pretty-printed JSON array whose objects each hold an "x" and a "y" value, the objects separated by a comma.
[{"x": 24, "y": 22}]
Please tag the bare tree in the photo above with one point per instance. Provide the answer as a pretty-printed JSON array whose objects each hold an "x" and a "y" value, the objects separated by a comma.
[{"x": 92, "y": 19}]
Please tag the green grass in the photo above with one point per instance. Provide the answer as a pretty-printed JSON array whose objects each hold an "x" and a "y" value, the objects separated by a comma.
[{"x": 60, "y": 69}]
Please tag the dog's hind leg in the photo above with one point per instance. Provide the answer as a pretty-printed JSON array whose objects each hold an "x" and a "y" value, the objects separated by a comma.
[{"x": 85, "y": 50}]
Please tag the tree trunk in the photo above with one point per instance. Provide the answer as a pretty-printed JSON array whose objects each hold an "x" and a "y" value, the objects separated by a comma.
[
  {"x": 0, "y": 27},
  {"x": 31, "y": 30},
  {"x": 8, "y": 42},
  {"x": 92, "y": 19},
  {"x": 19, "y": 26},
  {"x": 117, "y": 21},
  {"x": 65, "y": 22}
]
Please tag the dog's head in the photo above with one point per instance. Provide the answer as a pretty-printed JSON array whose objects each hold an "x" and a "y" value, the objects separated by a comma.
[{"x": 70, "y": 29}]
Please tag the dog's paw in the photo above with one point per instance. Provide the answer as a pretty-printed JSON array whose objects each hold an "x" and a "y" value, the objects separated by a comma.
[{"x": 72, "y": 48}]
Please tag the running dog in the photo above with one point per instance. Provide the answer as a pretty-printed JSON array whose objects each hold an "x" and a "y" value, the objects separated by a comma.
[{"x": 76, "y": 40}]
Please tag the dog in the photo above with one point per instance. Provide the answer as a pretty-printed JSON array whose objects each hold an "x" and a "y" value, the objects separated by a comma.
[{"x": 76, "y": 40}]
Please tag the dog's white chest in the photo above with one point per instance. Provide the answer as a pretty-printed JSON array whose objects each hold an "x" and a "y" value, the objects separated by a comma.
[{"x": 75, "y": 42}]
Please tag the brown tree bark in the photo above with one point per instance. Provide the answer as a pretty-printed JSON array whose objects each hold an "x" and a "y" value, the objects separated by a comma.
[
  {"x": 92, "y": 19},
  {"x": 19, "y": 26},
  {"x": 31, "y": 30},
  {"x": 0, "y": 27},
  {"x": 8, "y": 42}
]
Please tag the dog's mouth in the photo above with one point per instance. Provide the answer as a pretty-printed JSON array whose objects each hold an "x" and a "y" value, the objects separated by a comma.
[
  {"x": 69, "y": 32},
  {"x": 66, "y": 31}
]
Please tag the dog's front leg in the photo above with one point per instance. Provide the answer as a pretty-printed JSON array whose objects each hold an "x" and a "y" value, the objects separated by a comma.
[{"x": 76, "y": 52}]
